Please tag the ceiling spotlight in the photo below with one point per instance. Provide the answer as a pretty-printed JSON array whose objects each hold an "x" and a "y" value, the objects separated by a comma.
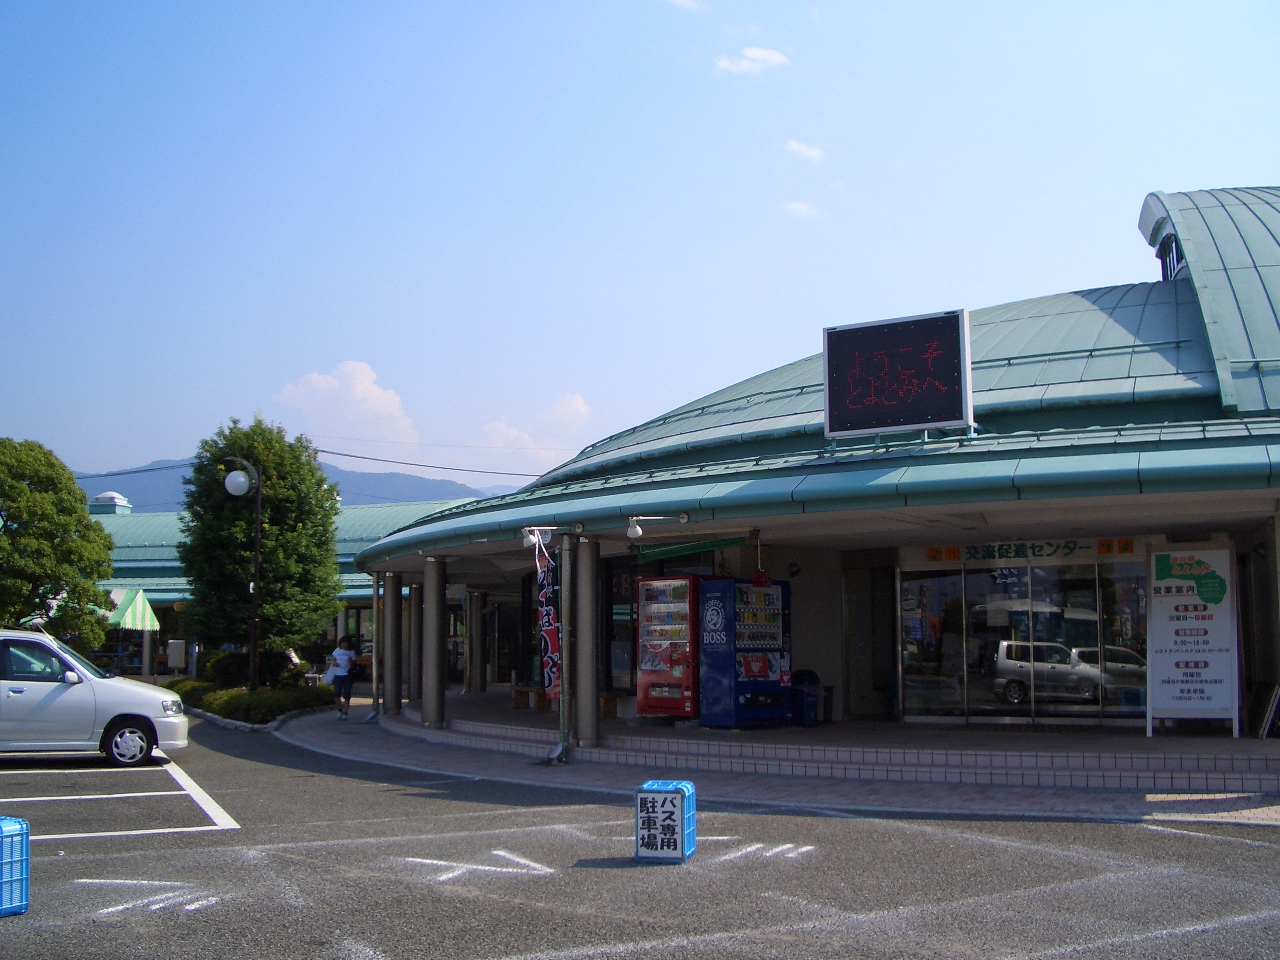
[{"x": 634, "y": 530}]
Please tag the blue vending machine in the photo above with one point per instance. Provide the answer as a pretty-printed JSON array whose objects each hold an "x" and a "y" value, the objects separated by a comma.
[{"x": 744, "y": 653}]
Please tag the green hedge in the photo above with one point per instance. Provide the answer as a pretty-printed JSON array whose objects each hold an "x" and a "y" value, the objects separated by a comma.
[
  {"x": 192, "y": 692},
  {"x": 264, "y": 704},
  {"x": 230, "y": 668}
]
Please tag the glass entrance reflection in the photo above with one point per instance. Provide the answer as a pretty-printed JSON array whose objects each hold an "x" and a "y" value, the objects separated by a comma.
[
  {"x": 1122, "y": 588},
  {"x": 1065, "y": 610},
  {"x": 997, "y": 606},
  {"x": 1025, "y": 641},
  {"x": 932, "y": 611}
]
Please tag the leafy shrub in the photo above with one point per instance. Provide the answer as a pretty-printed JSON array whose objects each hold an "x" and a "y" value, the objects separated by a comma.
[
  {"x": 229, "y": 669},
  {"x": 192, "y": 692},
  {"x": 265, "y": 704}
]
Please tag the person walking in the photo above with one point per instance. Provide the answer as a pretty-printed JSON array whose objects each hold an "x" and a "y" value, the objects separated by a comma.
[{"x": 343, "y": 658}]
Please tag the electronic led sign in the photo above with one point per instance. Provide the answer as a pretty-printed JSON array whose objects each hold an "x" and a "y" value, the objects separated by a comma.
[{"x": 911, "y": 373}]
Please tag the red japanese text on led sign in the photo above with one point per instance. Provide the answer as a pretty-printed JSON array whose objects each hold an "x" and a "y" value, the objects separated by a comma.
[{"x": 897, "y": 375}]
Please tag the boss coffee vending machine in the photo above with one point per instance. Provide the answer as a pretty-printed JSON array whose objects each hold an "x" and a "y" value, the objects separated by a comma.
[
  {"x": 744, "y": 653},
  {"x": 666, "y": 642}
]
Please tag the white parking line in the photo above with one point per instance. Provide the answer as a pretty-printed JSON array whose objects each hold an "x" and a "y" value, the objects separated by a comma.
[
  {"x": 211, "y": 808},
  {"x": 127, "y": 833},
  {"x": 455, "y": 869},
  {"x": 221, "y": 819},
  {"x": 98, "y": 796},
  {"x": 10, "y": 773}
]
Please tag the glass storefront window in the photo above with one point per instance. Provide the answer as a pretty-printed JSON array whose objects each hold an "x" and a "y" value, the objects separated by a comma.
[
  {"x": 1123, "y": 591},
  {"x": 932, "y": 605},
  {"x": 1029, "y": 640}
]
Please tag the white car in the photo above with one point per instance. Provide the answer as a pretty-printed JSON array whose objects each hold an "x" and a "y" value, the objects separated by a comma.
[{"x": 53, "y": 699}]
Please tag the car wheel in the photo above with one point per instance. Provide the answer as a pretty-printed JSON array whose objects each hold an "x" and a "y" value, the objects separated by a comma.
[
  {"x": 129, "y": 744},
  {"x": 1015, "y": 692}
]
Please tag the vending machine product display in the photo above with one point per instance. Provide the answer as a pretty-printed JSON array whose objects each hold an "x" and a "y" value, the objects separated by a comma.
[
  {"x": 666, "y": 654},
  {"x": 744, "y": 653}
]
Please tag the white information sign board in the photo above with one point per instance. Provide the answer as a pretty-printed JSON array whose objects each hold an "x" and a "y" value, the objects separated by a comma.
[
  {"x": 1192, "y": 658},
  {"x": 666, "y": 827}
]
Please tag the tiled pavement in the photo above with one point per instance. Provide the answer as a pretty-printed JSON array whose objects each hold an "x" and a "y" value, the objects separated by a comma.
[{"x": 400, "y": 742}]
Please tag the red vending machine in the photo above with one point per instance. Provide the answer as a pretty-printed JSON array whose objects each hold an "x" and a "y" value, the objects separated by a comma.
[{"x": 667, "y": 655}]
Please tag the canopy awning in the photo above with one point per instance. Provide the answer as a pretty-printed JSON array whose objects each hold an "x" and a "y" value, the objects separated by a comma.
[{"x": 132, "y": 612}]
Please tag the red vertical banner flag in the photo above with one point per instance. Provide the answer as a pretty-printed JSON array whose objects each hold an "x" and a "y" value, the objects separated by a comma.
[{"x": 548, "y": 621}]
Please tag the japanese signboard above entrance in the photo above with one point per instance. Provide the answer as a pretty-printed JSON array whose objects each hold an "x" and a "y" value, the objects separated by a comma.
[{"x": 887, "y": 376}]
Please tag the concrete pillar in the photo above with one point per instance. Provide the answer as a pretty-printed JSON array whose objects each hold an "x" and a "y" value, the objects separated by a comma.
[
  {"x": 376, "y": 665},
  {"x": 414, "y": 650},
  {"x": 435, "y": 623},
  {"x": 393, "y": 614},
  {"x": 473, "y": 660},
  {"x": 587, "y": 630}
]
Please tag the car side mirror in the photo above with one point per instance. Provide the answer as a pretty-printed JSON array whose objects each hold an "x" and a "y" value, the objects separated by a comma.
[{"x": 71, "y": 677}]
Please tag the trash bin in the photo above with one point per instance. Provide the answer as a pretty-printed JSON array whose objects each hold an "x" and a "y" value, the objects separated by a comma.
[
  {"x": 806, "y": 699},
  {"x": 15, "y": 866}
]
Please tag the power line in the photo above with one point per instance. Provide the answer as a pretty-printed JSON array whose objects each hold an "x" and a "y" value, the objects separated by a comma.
[
  {"x": 125, "y": 473},
  {"x": 429, "y": 466}
]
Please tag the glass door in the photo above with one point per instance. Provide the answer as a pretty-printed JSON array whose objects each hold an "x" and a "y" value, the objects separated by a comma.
[
  {"x": 998, "y": 648},
  {"x": 932, "y": 634},
  {"x": 1064, "y": 610}
]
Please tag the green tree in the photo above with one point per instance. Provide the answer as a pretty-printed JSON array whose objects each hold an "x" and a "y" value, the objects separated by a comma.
[
  {"x": 52, "y": 553},
  {"x": 299, "y": 588}
]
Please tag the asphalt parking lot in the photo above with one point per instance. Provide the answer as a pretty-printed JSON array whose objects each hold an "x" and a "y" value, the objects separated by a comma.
[{"x": 323, "y": 858}]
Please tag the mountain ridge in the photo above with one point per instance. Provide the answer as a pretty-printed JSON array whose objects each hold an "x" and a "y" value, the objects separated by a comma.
[{"x": 160, "y": 489}]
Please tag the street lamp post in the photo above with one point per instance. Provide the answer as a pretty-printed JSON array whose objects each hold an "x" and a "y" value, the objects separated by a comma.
[{"x": 238, "y": 483}]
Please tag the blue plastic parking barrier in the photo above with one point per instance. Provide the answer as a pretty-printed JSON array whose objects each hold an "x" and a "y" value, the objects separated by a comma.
[
  {"x": 15, "y": 866},
  {"x": 666, "y": 821}
]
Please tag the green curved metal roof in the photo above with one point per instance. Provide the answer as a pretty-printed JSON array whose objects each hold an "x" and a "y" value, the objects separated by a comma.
[
  {"x": 145, "y": 555},
  {"x": 1113, "y": 345},
  {"x": 1231, "y": 242}
]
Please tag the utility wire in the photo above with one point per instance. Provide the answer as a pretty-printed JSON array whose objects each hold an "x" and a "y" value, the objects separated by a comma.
[
  {"x": 429, "y": 466},
  {"x": 125, "y": 473}
]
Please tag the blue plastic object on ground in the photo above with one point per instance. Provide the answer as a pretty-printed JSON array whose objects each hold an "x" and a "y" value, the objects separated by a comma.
[
  {"x": 15, "y": 866},
  {"x": 666, "y": 821}
]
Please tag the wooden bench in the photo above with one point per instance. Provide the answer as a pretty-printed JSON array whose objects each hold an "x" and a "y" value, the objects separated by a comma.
[{"x": 523, "y": 697}]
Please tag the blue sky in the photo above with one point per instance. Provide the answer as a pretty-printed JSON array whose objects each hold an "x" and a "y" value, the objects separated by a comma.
[{"x": 486, "y": 234}]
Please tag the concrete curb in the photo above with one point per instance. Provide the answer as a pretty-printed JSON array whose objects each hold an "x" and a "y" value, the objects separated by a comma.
[
  {"x": 872, "y": 811},
  {"x": 255, "y": 727}
]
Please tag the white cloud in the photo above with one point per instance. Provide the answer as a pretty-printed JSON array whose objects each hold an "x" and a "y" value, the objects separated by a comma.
[
  {"x": 806, "y": 151},
  {"x": 753, "y": 60},
  {"x": 686, "y": 4},
  {"x": 799, "y": 208},
  {"x": 558, "y": 427},
  {"x": 349, "y": 403},
  {"x": 569, "y": 412}
]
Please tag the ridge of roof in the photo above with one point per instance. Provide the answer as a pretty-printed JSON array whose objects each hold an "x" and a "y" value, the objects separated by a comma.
[{"x": 1230, "y": 240}]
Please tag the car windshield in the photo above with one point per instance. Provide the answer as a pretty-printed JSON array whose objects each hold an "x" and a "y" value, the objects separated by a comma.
[{"x": 80, "y": 662}]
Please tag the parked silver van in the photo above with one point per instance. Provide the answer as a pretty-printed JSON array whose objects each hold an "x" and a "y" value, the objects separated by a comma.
[{"x": 53, "y": 699}]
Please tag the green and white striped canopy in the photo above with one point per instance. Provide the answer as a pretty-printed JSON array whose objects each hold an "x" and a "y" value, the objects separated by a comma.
[{"x": 132, "y": 611}]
